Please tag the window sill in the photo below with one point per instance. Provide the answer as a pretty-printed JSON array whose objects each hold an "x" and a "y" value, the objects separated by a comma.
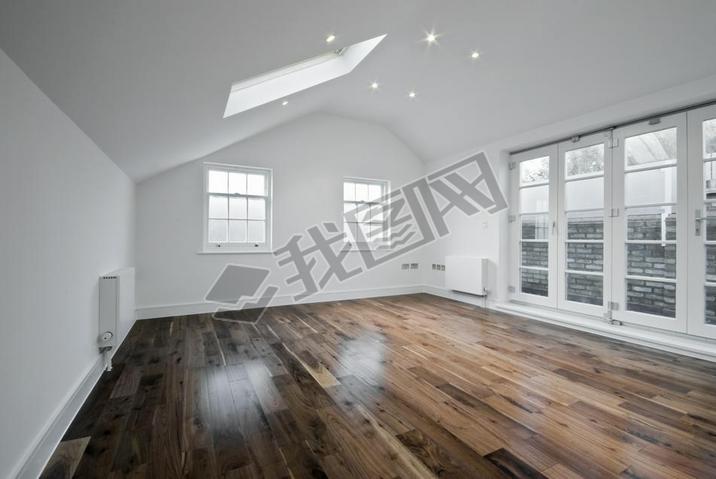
[{"x": 248, "y": 251}]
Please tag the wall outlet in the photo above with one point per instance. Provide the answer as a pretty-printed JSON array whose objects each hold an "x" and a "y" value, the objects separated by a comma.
[{"x": 413, "y": 265}]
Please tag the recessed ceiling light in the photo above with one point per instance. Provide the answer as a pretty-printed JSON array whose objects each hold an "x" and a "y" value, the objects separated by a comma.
[
  {"x": 330, "y": 38},
  {"x": 284, "y": 103},
  {"x": 374, "y": 85},
  {"x": 475, "y": 55},
  {"x": 431, "y": 37},
  {"x": 411, "y": 94}
]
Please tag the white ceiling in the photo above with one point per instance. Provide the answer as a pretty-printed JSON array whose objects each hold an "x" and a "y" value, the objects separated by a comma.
[{"x": 148, "y": 80}]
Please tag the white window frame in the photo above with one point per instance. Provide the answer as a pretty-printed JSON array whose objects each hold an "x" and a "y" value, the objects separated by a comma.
[
  {"x": 575, "y": 144},
  {"x": 244, "y": 247},
  {"x": 378, "y": 243},
  {"x": 619, "y": 271},
  {"x": 516, "y": 293}
]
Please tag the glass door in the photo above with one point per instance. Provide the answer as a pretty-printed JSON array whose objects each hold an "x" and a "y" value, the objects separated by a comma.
[
  {"x": 584, "y": 200},
  {"x": 534, "y": 226},
  {"x": 702, "y": 227},
  {"x": 649, "y": 223}
]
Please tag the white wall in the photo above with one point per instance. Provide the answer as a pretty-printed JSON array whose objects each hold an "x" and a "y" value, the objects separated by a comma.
[
  {"x": 487, "y": 235},
  {"x": 309, "y": 157},
  {"x": 67, "y": 217}
]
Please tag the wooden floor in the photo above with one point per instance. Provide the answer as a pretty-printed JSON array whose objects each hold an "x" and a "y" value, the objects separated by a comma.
[{"x": 406, "y": 386}]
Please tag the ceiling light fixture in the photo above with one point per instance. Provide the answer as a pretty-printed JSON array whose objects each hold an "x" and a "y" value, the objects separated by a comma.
[
  {"x": 431, "y": 37},
  {"x": 475, "y": 55},
  {"x": 411, "y": 94},
  {"x": 284, "y": 103},
  {"x": 330, "y": 38},
  {"x": 374, "y": 85}
]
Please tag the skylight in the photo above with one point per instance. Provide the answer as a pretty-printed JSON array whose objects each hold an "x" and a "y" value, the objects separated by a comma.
[{"x": 276, "y": 84}]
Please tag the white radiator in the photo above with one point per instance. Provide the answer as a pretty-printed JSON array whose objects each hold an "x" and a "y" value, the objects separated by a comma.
[
  {"x": 116, "y": 310},
  {"x": 467, "y": 274}
]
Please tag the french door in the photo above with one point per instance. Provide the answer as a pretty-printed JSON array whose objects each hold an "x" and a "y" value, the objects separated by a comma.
[
  {"x": 535, "y": 226},
  {"x": 649, "y": 222},
  {"x": 583, "y": 278},
  {"x": 702, "y": 222}
]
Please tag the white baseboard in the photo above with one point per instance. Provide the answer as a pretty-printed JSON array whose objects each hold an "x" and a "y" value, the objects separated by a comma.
[
  {"x": 163, "y": 311},
  {"x": 34, "y": 461}
]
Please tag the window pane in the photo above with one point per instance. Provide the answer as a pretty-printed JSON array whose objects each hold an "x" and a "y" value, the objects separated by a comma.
[
  {"x": 256, "y": 184},
  {"x": 651, "y": 260},
  {"x": 534, "y": 200},
  {"x": 257, "y": 209},
  {"x": 710, "y": 180},
  {"x": 584, "y": 288},
  {"x": 585, "y": 256},
  {"x": 237, "y": 208},
  {"x": 534, "y": 171},
  {"x": 710, "y": 306},
  {"x": 349, "y": 191},
  {"x": 237, "y": 183},
  {"x": 217, "y": 181},
  {"x": 584, "y": 161},
  {"x": 651, "y": 297},
  {"x": 710, "y": 224},
  {"x": 711, "y": 263},
  {"x": 256, "y": 231},
  {"x": 650, "y": 187},
  {"x": 651, "y": 223},
  {"x": 237, "y": 231},
  {"x": 361, "y": 192},
  {"x": 218, "y": 207},
  {"x": 374, "y": 192},
  {"x": 217, "y": 231},
  {"x": 534, "y": 281},
  {"x": 652, "y": 147},
  {"x": 376, "y": 213},
  {"x": 710, "y": 138},
  {"x": 585, "y": 226},
  {"x": 535, "y": 254},
  {"x": 535, "y": 226},
  {"x": 584, "y": 194},
  {"x": 349, "y": 229}
]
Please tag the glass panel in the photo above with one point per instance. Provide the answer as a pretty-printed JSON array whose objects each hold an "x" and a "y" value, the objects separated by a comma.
[
  {"x": 257, "y": 231},
  {"x": 710, "y": 139},
  {"x": 256, "y": 184},
  {"x": 710, "y": 180},
  {"x": 257, "y": 209},
  {"x": 376, "y": 213},
  {"x": 585, "y": 226},
  {"x": 710, "y": 306},
  {"x": 237, "y": 208},
  {"x": 652, "y": 297},
  {"x": 585, "y": 256},
  {"x": 651, "y": 223},
  {"x": 217, "y": 231},
  {"x": 584, "y": 161},
  {"x": 584, "y": 288},
  {"x": 654, "y": 260},
  {"x": 534, "y": 171},
  {"x": 535, "y": 253},
  {"x": 535, "y": 226},
  {"x": 374, "y": 192},
  {"x": 710, "y": 223},
  {"x": 361, "y": 192},
  {"x": 349, "y": 191},
  {"x": 650, "y": 187},
  {"x": 533, "y": 281},
  {"x": 237, "y": 183},
  {"x": 349, "y": 229},
  {"x": 534, "y": 200},
  {"x": 348, "y": 207},
  {"x": 237, "y": 231},
  {"x": 584, "y": 194},
  {"x": 652, "y": 147},
  {"x": 217, "y": 181},
  {"x": 711, "y": 263},
  {"x": 218, "y": 207}
]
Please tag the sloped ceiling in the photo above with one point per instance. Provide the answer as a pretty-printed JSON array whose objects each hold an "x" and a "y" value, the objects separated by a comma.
[{"x": 148, "y": 80}]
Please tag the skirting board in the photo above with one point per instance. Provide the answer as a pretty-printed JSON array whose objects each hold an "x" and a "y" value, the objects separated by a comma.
[
  {"x": 652, "y": 338},
  {"x": 31, "y": 466},
  {"x": 153, "y": 312}
]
